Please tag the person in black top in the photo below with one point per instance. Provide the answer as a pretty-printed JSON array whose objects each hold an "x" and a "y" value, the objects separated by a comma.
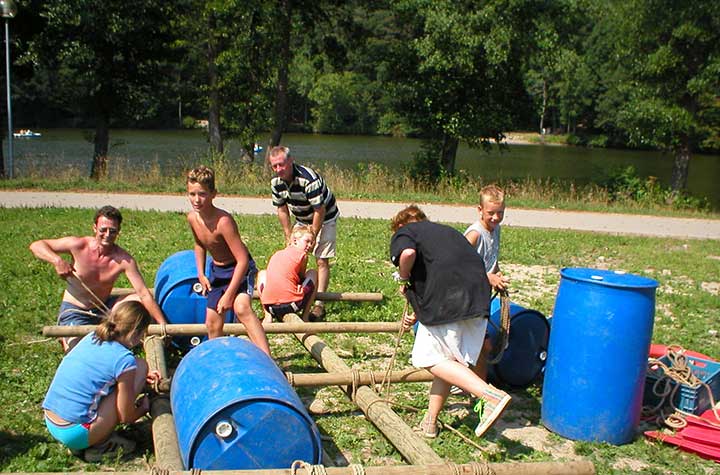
[{"x": 444, "y": 280}]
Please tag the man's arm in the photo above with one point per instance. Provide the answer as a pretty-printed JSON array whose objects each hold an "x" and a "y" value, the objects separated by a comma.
[
  {"x": 49, "y": 250},
  {"x": 133, "y": 275},
  {"x": 284, "y": 217},
  {"x": 318, "y": 219}
]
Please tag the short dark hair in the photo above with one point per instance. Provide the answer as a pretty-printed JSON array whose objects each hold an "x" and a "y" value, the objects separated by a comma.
[{"x": 110, "y": 212}]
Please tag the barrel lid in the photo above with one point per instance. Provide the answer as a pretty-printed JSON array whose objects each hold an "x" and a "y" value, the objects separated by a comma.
[{"x": 611, "y": 278}]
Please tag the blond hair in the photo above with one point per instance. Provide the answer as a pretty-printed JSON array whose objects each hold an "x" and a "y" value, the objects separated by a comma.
[
  {"x": 279, "y": 150},
  {"x": 303, "y": 230},
  {"x": 205, "y": 176},
  {"x": 126, "y": 318},
  {"x": 410, "y": 214},
  {"x": 492, "y": 194}
]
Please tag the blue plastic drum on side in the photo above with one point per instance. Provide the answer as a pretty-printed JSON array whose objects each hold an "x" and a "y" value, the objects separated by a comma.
[
  {"x": 597, "y": 357},
  {"x": 524, "y": 358},
  {"x": 174, "y": 292},
  {"x": 235, "y": 410}
]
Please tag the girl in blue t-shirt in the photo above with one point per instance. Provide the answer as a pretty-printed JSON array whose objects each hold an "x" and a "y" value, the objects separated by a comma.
[{"x": 97, "y": 385}]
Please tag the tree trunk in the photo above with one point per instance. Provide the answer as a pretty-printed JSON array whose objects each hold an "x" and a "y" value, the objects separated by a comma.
[
  {"x": 449, "y": 152},
  {"x": 681, "y": 166},
  {"x": 101, "y": 140},
  {"x": 281, "y": 93},
  {"x": 216, "y": 142},
  {"x": 544, "y": 108}
]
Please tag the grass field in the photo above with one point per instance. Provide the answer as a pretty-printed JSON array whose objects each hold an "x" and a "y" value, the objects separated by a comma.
[{"x": 687, "y": 308}]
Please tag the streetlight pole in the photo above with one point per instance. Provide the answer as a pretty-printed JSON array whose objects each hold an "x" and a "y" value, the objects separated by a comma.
[{"x": 8, "y": 10}]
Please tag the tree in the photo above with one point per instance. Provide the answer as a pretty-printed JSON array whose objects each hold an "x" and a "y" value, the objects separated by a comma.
[
  {"x": 455, "y": 72},
  {"x": 665, "y": 92},
  {"x": 103, "y": 58}
]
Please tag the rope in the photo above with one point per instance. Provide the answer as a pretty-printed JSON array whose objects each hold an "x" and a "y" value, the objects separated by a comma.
[
  {"x": 504, "y": 326},
  {"x": 357, "y": 469},
  {"x": 677, "y": 373},
  {"x": 309, "y": 468},
  {"x": 156, "y": 470},
  {"x": 195, "y": 471},
  {"x": 100, "y": 304},
  {"x": 290, "y": 377},
  {"x": 385, "y": 383}
]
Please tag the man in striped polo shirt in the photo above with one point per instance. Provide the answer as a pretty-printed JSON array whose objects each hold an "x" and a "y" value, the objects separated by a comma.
[{"x": 302, "y": 191}]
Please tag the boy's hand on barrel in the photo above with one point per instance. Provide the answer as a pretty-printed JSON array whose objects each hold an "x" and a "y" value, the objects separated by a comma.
[{"x": 205, "y": 283}]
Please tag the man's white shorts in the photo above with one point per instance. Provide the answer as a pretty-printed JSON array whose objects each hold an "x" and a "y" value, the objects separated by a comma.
[{"x": 325, "y": 241}]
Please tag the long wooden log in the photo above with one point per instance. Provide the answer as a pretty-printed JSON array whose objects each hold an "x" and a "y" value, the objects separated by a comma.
[
  {"x": 408, "y": 375},
  {"x": 410, "y": 445},
  {"x": 325, "y": 296},
  {"x": 530, "y": 468},
  {"x": 167, "y": 450},
  {"x": 190, "y": 329}
]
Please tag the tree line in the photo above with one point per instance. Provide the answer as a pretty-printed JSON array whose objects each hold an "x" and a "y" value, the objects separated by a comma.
[{"x": 637, "y": 73}]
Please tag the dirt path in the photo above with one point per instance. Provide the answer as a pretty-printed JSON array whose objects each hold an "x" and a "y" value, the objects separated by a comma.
[{"x": 611, "y": 223}]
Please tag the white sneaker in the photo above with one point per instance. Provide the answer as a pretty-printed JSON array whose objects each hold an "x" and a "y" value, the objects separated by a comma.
[
  {"x": 489, "y": 407},
  {"x": 113, "y": 445}
]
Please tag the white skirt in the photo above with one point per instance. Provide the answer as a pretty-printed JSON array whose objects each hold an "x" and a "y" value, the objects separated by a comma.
[{"x": 457, "y": 341}]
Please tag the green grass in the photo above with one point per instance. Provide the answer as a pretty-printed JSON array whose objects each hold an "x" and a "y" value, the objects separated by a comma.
[{"x": 31, "y": 293}]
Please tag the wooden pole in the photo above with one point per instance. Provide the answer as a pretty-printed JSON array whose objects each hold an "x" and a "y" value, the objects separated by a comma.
[
  {"x": 326, "y": 296},
  {"x": 409, "y": 375},
  {"x": 410, "y": 445},
  {"x": 473, "y": 468},
  {"x": 167, "y": 451},
  {"x": 189, "y": 329}
]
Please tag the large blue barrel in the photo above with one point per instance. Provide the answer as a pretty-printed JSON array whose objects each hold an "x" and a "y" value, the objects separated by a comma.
[
  {"x": 524, "y": 358},
  {"x": 235, "y": 410},
  {"x": 174, "y": 292},
  {"x": 597, "y": 356}
]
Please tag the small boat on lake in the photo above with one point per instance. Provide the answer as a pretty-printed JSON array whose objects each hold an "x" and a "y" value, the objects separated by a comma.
[{"x": 26, "y": 133}]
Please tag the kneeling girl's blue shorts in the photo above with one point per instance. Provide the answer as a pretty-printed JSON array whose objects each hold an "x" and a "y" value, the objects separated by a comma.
[{"x": 74, "y": 436}]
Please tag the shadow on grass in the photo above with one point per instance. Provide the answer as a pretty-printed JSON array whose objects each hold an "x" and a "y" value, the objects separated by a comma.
[{"x": 13, "y": 445}]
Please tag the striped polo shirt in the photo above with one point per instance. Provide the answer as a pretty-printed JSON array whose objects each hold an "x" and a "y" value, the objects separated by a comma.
[{"x": 306, "y": 192}]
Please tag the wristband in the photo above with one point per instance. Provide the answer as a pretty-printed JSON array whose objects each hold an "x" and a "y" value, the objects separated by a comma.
[{"x": 405, "y": 281}]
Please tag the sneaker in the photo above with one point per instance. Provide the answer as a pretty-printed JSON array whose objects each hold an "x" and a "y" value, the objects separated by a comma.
[
  {"x": 428, "y": 429},
  {"x": 317, "y": 314},
  {"x": 456, "y": 391},
  {"x": 112, "y": 446},
  {"x": 489, "y": 407}
]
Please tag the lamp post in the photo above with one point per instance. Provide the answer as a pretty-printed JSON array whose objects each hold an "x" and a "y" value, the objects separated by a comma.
[{"x": 8, "y": 10}]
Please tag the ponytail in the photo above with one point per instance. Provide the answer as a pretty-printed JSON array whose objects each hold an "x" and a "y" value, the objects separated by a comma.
[{"x": 126, "y": 318}]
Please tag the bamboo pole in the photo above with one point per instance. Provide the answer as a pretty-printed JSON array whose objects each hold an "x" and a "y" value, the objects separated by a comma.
[
  {"x": 167, "y": 451},
  {"x": 473, "y": 468},
  {"x": 325, "y": 296},
  {"x": 410, "y": 445},
  {"x": 189, "y": 329},
  {"x": 409, "y": 375}
]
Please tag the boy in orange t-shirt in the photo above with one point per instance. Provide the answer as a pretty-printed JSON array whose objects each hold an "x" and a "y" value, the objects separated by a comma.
[{"x": 287, "y": 286}]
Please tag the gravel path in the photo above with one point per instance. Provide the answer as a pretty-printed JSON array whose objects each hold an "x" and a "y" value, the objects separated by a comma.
[{"x": 611, "y": 223}]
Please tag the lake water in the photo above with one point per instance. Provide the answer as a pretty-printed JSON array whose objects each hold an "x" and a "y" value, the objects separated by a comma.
[{"x": 173, "y": 149}]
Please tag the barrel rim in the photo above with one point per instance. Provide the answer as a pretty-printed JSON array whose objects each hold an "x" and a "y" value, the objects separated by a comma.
[{"x": 600, "y": 277}]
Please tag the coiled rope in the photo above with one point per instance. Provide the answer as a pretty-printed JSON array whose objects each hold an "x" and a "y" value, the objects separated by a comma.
[
  {"x": 670, "y": 378},
  {"x": 504, "y": 326}
]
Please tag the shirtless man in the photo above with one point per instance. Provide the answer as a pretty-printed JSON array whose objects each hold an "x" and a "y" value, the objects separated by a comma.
[{"x": 96, "y": 264}]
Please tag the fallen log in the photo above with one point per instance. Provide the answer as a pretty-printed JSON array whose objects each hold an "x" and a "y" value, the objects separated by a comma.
[
  {"x": 325, "y": 296},
  {"x": 167, "y": 450},
  {"x": 472, "y": 468},
  {"x": 189, "y": 329},
  {"x": 410, "y": 445}
]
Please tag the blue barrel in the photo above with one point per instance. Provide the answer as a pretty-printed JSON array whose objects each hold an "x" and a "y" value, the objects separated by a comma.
[
  {"x": 235, "y": 410},
  {"x": 175, "y": 293},
  {"x": 597, "y": 356},
  {"x": 524, "y": 358}
]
